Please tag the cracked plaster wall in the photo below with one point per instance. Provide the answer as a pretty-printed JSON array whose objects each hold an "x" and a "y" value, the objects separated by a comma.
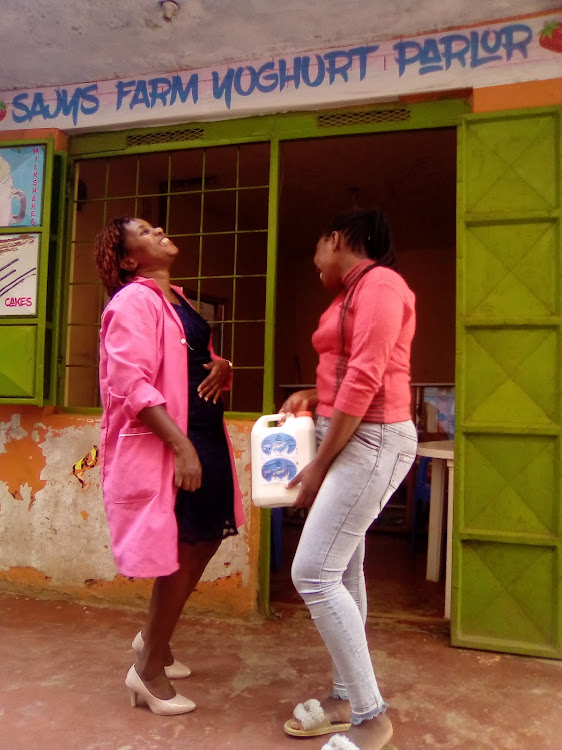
[{"x": 53, "y": 532}]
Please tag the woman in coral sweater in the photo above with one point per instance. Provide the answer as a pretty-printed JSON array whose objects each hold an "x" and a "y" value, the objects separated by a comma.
[{"x": 367, "y": 443}]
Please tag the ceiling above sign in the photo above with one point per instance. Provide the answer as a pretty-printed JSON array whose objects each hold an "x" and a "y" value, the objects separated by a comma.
[{"x": 55, "y": 43}]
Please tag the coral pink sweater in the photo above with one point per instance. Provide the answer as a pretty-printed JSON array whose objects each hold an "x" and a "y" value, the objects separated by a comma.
[{"x": 378, "y": 332}]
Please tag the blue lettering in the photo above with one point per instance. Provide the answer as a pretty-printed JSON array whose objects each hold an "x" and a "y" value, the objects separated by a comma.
[
  {"x": 510, "y": 45},
  {"x": 19, "y": 104},
  {"x": 155, "y": 95},
  {"x": 476, "y": 61},
  {"x": 238, "y": 81},
  {"x": 491, "y": 47},
  {"x": 273, "y": 78},
  {"x": 140, "y": 95},
  {"x": 82, "y": 100},
  {"x": 430, "y": 60},
  {"x": 124, "y": 88},
  {"x": 68, "y": 107},
  {"x": 191, "y": 87},
  {"x": 224, "y": 88},
  {"x": 361, "y": 53},
  {"x": 285, "y": 78},
  {"x": 306, "y": 71},
  {"x": 38, "y": 107},
  {"x": 434, "y": 55},
  {"x": 89, "y": 98},
  {"x": 402, "y": 58},
  {"x": 334, "y": 69},
  {"x": 449, "y": 54}
]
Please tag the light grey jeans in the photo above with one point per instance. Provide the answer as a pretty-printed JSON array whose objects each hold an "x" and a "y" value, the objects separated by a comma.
[{"x": 328, "y": 566}]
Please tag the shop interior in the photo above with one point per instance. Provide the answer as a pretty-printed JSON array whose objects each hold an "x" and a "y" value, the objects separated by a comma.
[
  {"x": 214, "y": 203},
  {"x": 411, "y": 177}
]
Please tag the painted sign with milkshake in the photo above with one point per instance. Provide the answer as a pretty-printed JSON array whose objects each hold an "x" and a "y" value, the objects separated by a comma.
[{"x": 21, "y": 186}]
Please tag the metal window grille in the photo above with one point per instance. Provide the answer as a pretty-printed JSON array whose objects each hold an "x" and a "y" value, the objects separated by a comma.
[
  {"x": 213, "y": 203},
  {"x": 172, "y": 136},
  {"x": 371, "y": 117}
]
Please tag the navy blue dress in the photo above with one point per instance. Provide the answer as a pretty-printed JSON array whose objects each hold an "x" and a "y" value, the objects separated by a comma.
[{"x": 208, "y": 513}]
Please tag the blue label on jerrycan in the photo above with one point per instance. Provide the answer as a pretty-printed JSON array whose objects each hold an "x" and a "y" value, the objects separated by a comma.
[
  {"x": 278, "y": 470},
  {"x": 278, "y": 444}
]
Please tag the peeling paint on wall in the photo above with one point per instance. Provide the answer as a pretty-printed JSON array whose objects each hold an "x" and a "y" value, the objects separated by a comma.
[
  {"x": 21, "y": 460},
  {"x": 53, "y": 530}
]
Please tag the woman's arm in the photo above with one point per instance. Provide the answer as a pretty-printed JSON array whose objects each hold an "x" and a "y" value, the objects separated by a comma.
[
  {"x": 186, "y": 460},
  {"x": 379, "y": 318},
  {"x": 342, "y": 426}
]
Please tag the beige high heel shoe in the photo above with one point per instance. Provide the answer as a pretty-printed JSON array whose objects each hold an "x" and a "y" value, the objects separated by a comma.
[
  {"x": 179, "y": 704},
  {"x": 175, "y": 671}
]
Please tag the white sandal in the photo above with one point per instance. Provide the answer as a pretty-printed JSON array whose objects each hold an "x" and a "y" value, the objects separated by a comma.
[
  {"x": 339, "y": 742},
  {"x": 313, "y": 721}
]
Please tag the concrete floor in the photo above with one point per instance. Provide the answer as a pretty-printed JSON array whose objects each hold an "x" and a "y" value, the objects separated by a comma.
[{"x": 63, "y": 667}]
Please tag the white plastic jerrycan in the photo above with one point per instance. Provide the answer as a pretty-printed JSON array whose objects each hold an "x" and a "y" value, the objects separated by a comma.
[{"x": 279, "y": 452}]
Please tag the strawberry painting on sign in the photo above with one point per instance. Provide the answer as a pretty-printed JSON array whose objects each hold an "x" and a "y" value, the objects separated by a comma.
[{"x": 551, "y": 36}]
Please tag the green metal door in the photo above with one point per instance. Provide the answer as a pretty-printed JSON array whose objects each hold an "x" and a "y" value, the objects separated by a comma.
[{"x": 507, "y": 522}]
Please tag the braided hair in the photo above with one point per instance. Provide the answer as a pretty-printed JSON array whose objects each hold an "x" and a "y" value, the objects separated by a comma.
[
  {"x": 365, "y": 230},
  {"x": 109, "y": 251}
]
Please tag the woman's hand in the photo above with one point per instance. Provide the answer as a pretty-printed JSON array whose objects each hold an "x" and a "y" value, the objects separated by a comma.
[
  {"x": 342, "y": 426},
  {"x": 300, "y": 401},
  {"x": 218, "y": 377},
  {"x": 310, "y": 480},
  {"x": 187, "y": 466}
]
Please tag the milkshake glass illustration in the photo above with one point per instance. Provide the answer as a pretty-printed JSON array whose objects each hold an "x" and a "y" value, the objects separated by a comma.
[{"x": 7, "y": 193}]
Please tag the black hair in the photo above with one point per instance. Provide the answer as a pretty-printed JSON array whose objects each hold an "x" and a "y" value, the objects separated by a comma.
[{"x": 365, "y": 231}]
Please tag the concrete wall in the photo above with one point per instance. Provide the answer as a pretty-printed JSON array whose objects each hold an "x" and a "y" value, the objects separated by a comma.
[{"x": 53, "y": 531}]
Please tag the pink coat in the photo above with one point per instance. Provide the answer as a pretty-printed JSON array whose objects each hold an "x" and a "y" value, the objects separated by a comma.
[{"x": 143, "y": 362}]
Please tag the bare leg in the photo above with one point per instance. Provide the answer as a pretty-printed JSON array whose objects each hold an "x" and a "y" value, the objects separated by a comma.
[
  {"x": 169, "y": 595},
  {"x": 372, "y": 734}
]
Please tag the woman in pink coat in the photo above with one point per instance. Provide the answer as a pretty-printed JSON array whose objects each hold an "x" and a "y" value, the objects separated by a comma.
[{"x": 170, "y": 489}]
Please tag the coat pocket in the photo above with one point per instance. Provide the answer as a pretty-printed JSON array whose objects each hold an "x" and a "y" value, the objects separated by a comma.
[{"x": 137, "y": 466}]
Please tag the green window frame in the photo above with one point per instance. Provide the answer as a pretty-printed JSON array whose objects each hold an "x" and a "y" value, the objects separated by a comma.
[
  {"x": 28, "y": 343},
  {"x": 273, "y": 130},
  {"x": 213, "y": 202}
]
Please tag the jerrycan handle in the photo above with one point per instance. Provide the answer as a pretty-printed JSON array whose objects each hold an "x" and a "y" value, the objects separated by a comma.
[{"x": 275, "y": 418}]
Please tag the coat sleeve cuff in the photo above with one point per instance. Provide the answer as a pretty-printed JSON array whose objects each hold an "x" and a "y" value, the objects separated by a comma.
[{"x": 143, "y": 396}]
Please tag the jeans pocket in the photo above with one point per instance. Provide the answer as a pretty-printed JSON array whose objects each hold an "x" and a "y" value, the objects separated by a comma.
[
  {"x": 368, "y": 436},
  {"x": 402, "y": 466}
]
